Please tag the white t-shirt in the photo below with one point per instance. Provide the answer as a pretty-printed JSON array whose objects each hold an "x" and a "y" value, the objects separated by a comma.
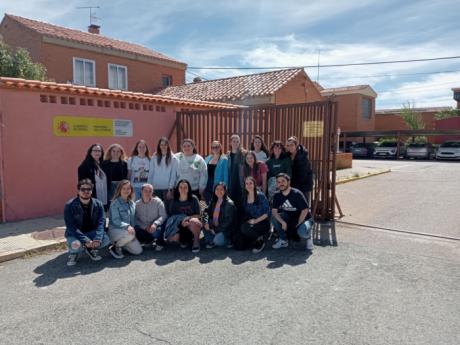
[
  {"x": 261, "y": 156},
  {"x": 139, "y": 169}
]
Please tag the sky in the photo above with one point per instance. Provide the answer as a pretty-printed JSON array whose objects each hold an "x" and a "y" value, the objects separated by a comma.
[{"x": 266, "y": 33}]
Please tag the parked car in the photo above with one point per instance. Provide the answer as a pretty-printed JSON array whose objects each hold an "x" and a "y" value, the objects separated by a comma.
[
  {"x": 449, "y": 150},
  {"x": 419, "y": 150},
  {"x": 389, "y": 149},
  {"x": 363, "y": 150},
  {"x": 347, "y": 147}
]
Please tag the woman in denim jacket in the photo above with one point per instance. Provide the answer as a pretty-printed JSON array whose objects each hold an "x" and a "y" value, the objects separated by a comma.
[
  {"x": 217, "y": 164},
  {"x": 122, "y": 220}
]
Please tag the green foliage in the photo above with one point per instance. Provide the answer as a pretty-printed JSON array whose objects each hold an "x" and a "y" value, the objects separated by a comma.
[
  {"x": 18, "y": 64},
  {"x": 413, "y": 119},
  {"x": 446, "y": 114},
  {"x": 418, "y": 140},
  {"x": 387, "y": 139}
]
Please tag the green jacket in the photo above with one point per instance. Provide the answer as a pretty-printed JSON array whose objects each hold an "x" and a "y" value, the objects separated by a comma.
[{"x": 277, "y": 166}]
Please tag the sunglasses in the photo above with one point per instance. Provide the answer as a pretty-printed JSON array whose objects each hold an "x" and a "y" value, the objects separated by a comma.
[{"x": 86, "y": 189}]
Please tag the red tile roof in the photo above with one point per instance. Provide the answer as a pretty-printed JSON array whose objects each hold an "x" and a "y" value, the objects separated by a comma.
[
  {"x": 345, "y": 90},
  {"x": 88, "y": 38},
  {"x": 41, "y": 86},
  {"x": 234, "y": 88}
]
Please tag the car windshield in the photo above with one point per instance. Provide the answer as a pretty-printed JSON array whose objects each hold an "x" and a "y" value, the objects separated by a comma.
[
  {"x": 451, "y": 144},
  {"x": 417, "y": 145},
  {"x": 361, "y": 145},
  {"x": 388, "y": 144}
]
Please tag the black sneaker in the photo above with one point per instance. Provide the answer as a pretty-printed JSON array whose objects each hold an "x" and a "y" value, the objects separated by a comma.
[
  {"x": 116, "y": 252},
  {"x": 196, "y": 249},
  {"x": 210, "y": 245},
  {"x": 93, "y": 254},
  {"x": 258, "y": 246}
]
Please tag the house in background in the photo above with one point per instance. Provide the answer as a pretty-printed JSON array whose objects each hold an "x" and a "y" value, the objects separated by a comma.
[
  {"x": 457, "y": 96},
  {"x": 90, "y": 59},
  {"x": 356, "y": 106},
  {"x": 287, "y": 86}
]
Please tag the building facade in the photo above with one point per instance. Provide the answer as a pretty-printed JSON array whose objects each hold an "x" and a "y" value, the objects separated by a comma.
[{"x": 91, "y": 59}]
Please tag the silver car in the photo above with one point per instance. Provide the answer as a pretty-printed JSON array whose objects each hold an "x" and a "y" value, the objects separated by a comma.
[
  {"x": 449, "y": 150},
  {"x": 419, "y": 150}
]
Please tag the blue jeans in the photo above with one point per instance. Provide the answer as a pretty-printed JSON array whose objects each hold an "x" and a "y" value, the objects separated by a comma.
[
  {"x": 75, "y": 246},
  {"x": 303, "y": 230},
  {"x": 218, "y": 239},
  {"x": 137, "y": 191}
]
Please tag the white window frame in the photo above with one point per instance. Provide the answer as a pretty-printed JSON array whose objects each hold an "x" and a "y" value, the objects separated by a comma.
[
  {"x": 94, "y": 70},
  {"x": 117, "y": 67}
]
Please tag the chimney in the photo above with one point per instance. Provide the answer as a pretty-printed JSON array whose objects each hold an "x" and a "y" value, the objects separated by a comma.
[
  {"x": 197, "y": 80},
  {"x": 94, "y": 29}
]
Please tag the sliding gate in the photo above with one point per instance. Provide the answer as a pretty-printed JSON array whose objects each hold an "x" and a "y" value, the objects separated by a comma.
[{"x": 314, "y": 124}]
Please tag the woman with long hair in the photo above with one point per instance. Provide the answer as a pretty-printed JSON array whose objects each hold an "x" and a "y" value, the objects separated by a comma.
[
  {"x": 122, "y": 221},
  {"x": 259, "y": 148},
  {"x": 192, "y": 167},
  {"x": 138, "y": 166},
  {"x": 257, "y": 169},
  {"x": 115, "y": 167},
  {"x": 184, "y": 225},
  {"x": 219, "y": 218},
  {"x": 91, "y": 169},
  {"x": 279, "y": 162},
  {"x": 236, "y": 157},
  {"x": 256, "y": 223},
  {"x": 163, "y": 170},
  {"x": 217, "y": 164}
]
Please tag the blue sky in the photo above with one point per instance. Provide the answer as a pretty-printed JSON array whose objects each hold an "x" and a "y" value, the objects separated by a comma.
[{"x": 288, "y": 33}]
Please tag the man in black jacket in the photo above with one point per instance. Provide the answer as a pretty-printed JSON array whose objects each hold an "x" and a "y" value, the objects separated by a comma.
[
  {"x": 302, "y": 174},
  {"x": 85, "y": 219}
]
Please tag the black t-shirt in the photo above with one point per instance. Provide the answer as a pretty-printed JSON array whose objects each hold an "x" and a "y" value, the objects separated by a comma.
[
  {"x": 291, "y": 205},
  {"x": 87, "y": 224},
  {"x": 185, "y": 207},
  {"x": 235, "y": 192},
  {"x": 211, "y": 171}
]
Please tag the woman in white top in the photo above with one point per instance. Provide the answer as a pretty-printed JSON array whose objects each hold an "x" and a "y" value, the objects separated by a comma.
[
  {"x": 192, "y": 167},
  {"x": 139, "y": 166},
  {"x": 259, "y": 148},
  {"x": 163, "y": 170}
]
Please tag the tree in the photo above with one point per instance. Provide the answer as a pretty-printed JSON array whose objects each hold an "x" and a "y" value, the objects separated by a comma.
[
  {"x": 446, "y": 114},
  {"x": 18, "y": 64},
  {"x": 413, "y": 119}
]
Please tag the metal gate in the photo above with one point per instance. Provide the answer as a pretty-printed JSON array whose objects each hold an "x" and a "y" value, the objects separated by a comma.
[{"x": 314, "y": 124}]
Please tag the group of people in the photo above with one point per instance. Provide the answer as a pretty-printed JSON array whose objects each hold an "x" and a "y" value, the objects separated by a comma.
[{"x": 232, "y": 200}]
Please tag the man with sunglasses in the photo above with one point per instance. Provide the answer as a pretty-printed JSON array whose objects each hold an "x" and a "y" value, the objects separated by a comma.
[{"x": 85, "y": 220}]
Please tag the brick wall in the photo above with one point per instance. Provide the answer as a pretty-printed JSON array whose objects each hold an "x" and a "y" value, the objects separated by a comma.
[
  {"x": 298, "y": 90},
  {"x": 15, "y": 36},
  {"x": 393, "y": 121},
  {"x": 452, "y": 123},
  {"x": 350, "y": 114}
]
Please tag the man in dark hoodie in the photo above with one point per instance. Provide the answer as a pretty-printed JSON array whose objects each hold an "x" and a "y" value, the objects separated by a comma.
[{"x": 302, "y": 174}]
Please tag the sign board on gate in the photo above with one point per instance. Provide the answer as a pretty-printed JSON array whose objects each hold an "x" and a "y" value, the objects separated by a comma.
[
  {"x": 313, "y": 129},
  {"x": 76, "y": 126}
]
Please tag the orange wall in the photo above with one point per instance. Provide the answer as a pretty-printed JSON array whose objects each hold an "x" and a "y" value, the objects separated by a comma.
[
  {"x": 39, "y": 169},
  {"x": 350, "y": 114},
  {"x": 452, "y": 123},
  {"x": 392, "y": 122},
  {"x": 142, "y": 76},
  {"x": 298, "y": 90}
]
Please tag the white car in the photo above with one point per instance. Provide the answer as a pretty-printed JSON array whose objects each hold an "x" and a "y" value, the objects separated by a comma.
[{"x": 449, "y": 150}]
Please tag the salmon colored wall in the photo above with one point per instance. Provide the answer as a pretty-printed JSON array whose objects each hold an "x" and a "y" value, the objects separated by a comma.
[
  {"x": 15, "y": 36},
  {"x": 298, "y": 90},
  {"x": 40, "y": 169}
]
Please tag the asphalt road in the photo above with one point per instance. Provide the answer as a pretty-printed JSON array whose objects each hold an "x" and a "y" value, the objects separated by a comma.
[{"x": 361, "y": 286}]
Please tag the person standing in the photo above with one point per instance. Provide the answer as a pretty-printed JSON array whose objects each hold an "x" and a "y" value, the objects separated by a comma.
[
  {"x": 150, "y": 216},
  {"x": 257, "y": 169},
  {"x": 138, "y": 166},
  {"x": 236, "y": 158},
  {"x": 278, "y": 163},
  {"x": 219, "y": 219},
  {"x": 115, "y": 168},
  {"x": 85, "y": 220},
  {"x": 259, "y": 148},
  {"x": 291, "y": 215},
  {"x": 163, "y": 171},
  {"x": 192, "y": 167},
  {"x": 122, "y": 220},
  {"x": 217, "y": 169},
  {"x": 302, "y": 174},
  {"x": 256, "y": 224},
  {"x": 91, "y": 169}
]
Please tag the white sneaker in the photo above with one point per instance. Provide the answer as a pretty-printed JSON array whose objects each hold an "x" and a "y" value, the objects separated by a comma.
[
  {"x": 116, "y": 252},
  {"x": 280, "y": 244},
  {"x": 72, "y": 260},
  {"x": 158, "y": 247},
  {"x": 309, "y": 243}
]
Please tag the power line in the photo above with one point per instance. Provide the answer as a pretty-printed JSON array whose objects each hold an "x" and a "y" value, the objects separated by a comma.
[
  {"x": 331, "y": 65},
  {"x": 393, "y": 74}
]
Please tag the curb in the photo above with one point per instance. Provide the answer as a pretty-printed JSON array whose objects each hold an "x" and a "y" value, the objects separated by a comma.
[
  {"x": 351, "y": 179},
  {"x": 20, "y": 253}
]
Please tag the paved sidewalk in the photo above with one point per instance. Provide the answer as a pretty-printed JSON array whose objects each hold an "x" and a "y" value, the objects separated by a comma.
[{"x": 19, "y": 239}]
